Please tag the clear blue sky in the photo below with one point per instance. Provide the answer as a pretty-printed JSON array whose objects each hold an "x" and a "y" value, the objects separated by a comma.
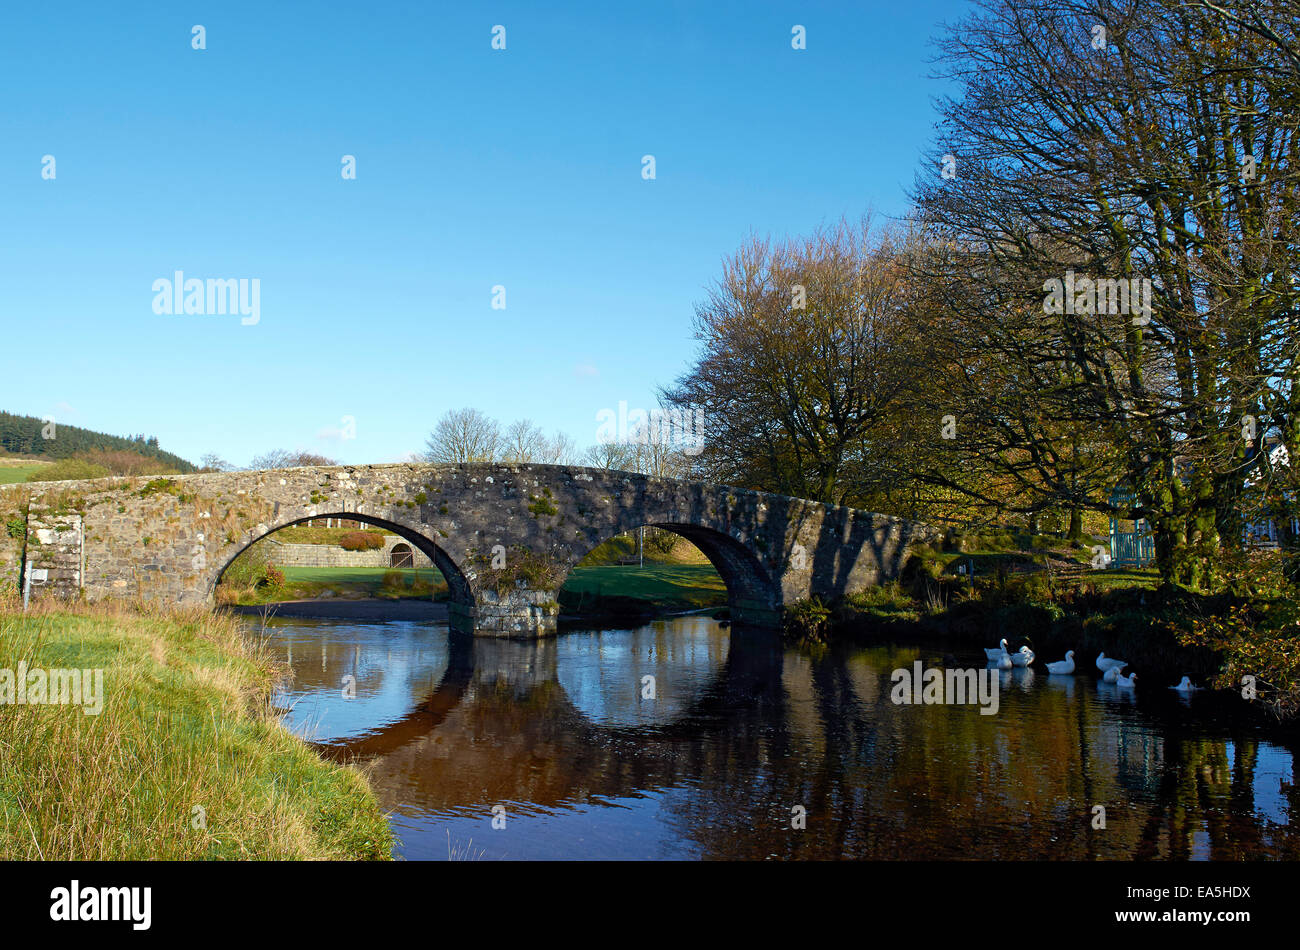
[{"x": 474, "y": 167}]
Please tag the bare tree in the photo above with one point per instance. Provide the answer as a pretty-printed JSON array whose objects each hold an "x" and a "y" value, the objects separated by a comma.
[
  {"x": 283, "y": 458},
  {"x": 212, "y": 462},
  {"x": 463, "y": 435},
  {"x": 561, "y": 450},
  {"x": 614, "y": 456},
  {"x": 523, "y": 442}
]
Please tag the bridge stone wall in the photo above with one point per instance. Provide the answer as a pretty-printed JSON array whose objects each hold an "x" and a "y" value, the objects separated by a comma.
[{"x": 169, "y": 539}]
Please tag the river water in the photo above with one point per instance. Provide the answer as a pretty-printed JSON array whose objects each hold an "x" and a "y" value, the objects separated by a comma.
[{"x": 739, "y": 749}]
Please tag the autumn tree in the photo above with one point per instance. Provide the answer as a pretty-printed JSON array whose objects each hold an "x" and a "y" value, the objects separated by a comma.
[{"x": 1097, "y": 152}]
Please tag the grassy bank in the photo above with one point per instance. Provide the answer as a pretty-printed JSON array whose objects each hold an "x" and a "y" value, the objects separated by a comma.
[
  {"x": 631, "y": 590},
  {"x": 14, "y": 471},
  {"x": 185, "y": 726},
  {"x": 343, "y": 583}
]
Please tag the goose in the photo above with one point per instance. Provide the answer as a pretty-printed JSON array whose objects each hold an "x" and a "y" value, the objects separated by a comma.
[
  {"x": 994, "y": 655},
  {"x": 1112, "y": 674},
  {"x": 1023, "y": 658},
  {"x": 1186, "y": 685},
  {"x": 1126, "y": 682},
  {"x": 1063, "y": 666},
  {"x": 1105, "y": 663}
]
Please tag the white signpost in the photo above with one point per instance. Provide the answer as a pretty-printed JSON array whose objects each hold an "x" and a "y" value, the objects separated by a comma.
[{"x": 35, "y": 575}]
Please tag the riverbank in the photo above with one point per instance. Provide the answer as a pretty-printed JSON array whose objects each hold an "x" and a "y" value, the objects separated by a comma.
[
  {"x": 185, "y": 760},
  {"x": 632, "y": 592},
  {"x": 1163, "y": 633},
  {"x": 273, "y": 585}
]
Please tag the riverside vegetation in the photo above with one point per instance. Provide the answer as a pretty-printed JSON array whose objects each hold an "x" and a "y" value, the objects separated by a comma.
[
  {"x": 187, "y": 760},
  {"x": 1047, "y": 598}
]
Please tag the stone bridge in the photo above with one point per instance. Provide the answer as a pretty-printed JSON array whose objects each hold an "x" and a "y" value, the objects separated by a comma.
[{"x": 504, "y": 536}]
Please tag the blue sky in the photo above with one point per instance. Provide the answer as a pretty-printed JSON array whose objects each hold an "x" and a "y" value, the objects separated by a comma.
[{"x": 474, "y": 168}]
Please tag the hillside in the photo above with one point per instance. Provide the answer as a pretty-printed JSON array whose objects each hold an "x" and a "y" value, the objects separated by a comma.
[{"x": 21, "y": 435}]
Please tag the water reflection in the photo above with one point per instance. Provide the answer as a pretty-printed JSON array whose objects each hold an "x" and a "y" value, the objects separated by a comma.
[{"x": 561, "y": 738}]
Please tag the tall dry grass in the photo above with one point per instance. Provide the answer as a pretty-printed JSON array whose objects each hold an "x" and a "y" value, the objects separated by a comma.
[{"x": 187, "y": 759}]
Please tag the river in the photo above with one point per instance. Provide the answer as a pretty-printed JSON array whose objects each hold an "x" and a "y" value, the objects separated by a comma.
[{"x": 684, "y": 739}]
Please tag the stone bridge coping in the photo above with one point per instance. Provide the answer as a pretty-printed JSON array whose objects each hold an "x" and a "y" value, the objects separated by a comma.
[{"x": 121, "y": 481}]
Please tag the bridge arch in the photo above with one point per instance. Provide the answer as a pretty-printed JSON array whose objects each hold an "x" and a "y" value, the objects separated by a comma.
[
  {"x": 753, "y": 595},
  {"x": 461, "y": 594}
]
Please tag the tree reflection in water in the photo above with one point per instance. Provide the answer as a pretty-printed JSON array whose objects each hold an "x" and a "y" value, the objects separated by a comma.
[{"x": 740, "y": 731}]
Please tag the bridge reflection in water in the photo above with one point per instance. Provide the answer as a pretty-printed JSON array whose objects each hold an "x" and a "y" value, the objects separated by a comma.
[{"x": 562, "y": 736}]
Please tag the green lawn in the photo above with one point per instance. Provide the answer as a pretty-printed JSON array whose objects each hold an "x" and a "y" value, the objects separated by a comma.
[
  {"x": 349, "y": 583},
  {"x": 1022, "y": 563},
  {"x": 657, "y": 586},
  {"x": 356, "y": 575},
  {"x": 12, "y": 474}
]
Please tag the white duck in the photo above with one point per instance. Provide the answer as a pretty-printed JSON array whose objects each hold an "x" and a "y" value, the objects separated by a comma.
[
  {"x": 1126, "y": 682},
  {"x": 1105, "y": 663},
  {"x": 1186, "y": 685},
  {"x": 995, "y": 654},
  {"x": 1023, "y": 658},
  {"x": 1063, "y": 666},
  {"x": 1112, "y": 674}
]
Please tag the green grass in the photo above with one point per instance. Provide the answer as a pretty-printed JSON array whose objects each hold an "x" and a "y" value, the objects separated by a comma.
[
  {"x": 346, "y": 583},
  {"x": 186, "y": 724},
  {"x": 624, "y": 546},
  {"x": 13, "y": 474},
  {"x": 355, "y": 575},
  {"x": 657, "y": 586},
  {"x": 1030, "y": 564}
]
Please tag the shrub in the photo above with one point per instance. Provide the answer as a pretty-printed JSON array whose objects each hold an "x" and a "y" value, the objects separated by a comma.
[
  {"x": 393, "y": 580},
  {"x": 67, "y": 470},
  {"x": 538, "y": 571},
  {"x": 660, "y": 541},
  {"x": 362, "y": 541},
  {"x": 806, "y": 620},
  {"x": 248, "y": 569},
  {"x": 272, "y": 577}
]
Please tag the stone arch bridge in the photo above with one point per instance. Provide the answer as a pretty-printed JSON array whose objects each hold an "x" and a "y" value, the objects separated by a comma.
[{"x": 169, "y": 539}]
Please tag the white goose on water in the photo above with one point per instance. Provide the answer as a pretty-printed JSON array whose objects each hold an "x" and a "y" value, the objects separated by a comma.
[
  {"x": 1003, "y": 662},
  {"x": 995, "y": 654},
  {"x": 1186, "y": 685},
  {"x": 1126, "y": 682},
  {"x": 1105, "y": 663},
  {"x": 1063, "y": 666},
  {"x": 1022, "y": 658},
  {"x": 1112, "y": 674}
]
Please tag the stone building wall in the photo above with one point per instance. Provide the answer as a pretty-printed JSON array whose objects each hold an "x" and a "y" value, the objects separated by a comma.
[{"x": 331, "y": 555}]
